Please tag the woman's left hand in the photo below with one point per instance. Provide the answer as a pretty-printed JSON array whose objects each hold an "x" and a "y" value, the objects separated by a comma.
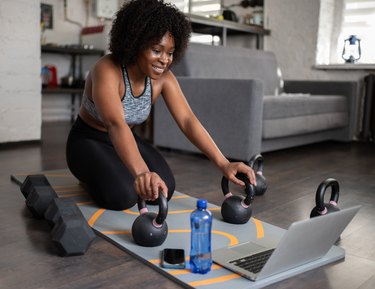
[{"x": 231, "y": 169}]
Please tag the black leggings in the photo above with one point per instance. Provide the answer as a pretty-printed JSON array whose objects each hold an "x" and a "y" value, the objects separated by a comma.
[{"x": 93, "y": 160}]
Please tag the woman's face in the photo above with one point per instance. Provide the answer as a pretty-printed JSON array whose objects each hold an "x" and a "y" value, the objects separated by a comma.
[{"x": 156, "y": 59}]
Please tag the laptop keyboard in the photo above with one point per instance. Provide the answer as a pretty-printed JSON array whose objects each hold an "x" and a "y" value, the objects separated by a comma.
[{"x": 253, "y": 263}]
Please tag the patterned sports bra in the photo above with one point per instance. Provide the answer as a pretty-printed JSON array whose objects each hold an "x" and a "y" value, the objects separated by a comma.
[{"x": 136, "y": 108}]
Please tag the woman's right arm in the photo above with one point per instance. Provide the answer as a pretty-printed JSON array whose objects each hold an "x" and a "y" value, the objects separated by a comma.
[{"x": 106, "y": 83}]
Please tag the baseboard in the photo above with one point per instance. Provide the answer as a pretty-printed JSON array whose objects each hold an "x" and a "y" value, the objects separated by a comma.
[{"x": 19, "y": 144}]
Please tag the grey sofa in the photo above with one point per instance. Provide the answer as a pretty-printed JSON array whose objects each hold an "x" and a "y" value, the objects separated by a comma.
[{"x": 240, "y": 98}]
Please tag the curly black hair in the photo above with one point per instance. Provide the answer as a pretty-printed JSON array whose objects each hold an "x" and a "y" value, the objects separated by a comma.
[{"x": 141, "y": 23}]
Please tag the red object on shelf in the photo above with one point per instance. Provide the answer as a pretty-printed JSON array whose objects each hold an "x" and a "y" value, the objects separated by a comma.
[
  {"x": 52, "y": 81},
  {"x": 92, "y": 29}
]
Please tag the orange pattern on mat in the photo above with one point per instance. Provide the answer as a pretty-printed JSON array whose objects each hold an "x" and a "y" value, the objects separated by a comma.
[
  {"x": 94, "y": 217},
  {"x": 232, "y": 239},
  {"x": 214, "y": 280},
  {"x": 180, "y": 197},
  {"x": 128, "y": 211},
  {"x": 259, "y": 228}
]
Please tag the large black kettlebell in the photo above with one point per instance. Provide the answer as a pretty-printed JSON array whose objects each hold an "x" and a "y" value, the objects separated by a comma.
[
  {"x": 322, "y": 208},
  {"x": 150, "y": 229},
  {"x": 237, "y": 209},
  {"x": 256, "y": 163}
]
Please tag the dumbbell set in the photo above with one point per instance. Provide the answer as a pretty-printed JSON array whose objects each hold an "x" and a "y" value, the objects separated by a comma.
[{"x": 70, "y": 232}]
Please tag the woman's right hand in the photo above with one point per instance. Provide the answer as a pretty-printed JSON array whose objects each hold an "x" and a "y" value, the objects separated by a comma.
[{"x": 148, "y": 185}]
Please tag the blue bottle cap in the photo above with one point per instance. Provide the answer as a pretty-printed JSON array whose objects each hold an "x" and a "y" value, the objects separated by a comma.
[{"x": 202, "y": 204}]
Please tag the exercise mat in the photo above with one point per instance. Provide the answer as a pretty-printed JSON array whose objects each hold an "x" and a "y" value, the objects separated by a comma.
[{"x": 115, "y": 226}]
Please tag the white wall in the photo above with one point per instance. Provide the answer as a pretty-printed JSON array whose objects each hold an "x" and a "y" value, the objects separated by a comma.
[
  {"x": 20, "y": 93},
  {"x": 294, "y": 31}
]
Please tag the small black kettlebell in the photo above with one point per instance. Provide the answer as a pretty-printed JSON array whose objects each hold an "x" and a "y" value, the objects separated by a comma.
[
  {"x": 149, "y": 229},
  {"x": 256, "y": 163},
  {"x": 322, "y": 208},
  {"x": 237, "y": 209}
]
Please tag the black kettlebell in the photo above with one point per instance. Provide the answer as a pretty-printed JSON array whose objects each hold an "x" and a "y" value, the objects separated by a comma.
[
  {"x": 256, "y": 163},
  {"x": 322, "y": 208},
  {"x": 237, "y": 209},
  {"x": 150, "y": 229}
]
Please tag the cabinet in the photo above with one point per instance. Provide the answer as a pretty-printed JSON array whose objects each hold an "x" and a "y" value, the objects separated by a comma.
[{"x": 76, "y": 54}]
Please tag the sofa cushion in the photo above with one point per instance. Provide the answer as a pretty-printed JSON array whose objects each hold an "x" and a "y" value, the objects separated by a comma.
[
  {"x": 294, "y": 114},
  {"x": 205, "y": 61}
]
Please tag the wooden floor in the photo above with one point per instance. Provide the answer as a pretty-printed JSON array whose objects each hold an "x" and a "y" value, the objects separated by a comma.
[{"x": 28, "y": 258}]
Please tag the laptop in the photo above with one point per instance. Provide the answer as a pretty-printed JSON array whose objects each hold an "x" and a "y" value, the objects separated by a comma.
[{"x": 305, "y": 241}]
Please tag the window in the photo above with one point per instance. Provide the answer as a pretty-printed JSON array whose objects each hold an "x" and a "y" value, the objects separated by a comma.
[
  {"x": 359, "y": 19},
  {"x": 199, "y": 7},
  {"x": 183, "y": 5},
  {"x": 338, "y": 20},
  {"x": 203, "y": 8}
]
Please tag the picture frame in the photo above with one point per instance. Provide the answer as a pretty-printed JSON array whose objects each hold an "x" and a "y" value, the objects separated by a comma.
[{"x": 46, "y": 16}]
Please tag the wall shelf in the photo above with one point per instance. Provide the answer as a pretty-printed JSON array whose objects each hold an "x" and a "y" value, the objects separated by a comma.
[
  {"x": 346, "y": 66},
  {"x": 74, "y": 52},
  {"x": 223, "y": 28},
  {"x": 58, "y": 90},
  {"x": 70, "y": 50}
]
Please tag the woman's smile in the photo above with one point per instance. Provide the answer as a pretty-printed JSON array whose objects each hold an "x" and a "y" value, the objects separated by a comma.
[
  {"x": 155, "y": 60},
  {"x": 158, "y": 69}
]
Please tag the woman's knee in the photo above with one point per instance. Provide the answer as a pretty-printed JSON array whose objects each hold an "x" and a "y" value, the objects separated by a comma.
[
  {"x": 121, "y": 204},
  {"x": 113, "y": 200}
]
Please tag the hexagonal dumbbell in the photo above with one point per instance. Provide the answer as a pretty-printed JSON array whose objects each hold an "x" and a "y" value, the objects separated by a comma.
[
  {"x": 59, "y": 207},
  {"x": 71, "y": 233},
  {"x": 38, "y": 193},
  {"x": 33, "y": 181}
]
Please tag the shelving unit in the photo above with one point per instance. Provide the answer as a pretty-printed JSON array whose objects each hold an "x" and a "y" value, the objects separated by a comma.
[
  {"x": 76, "y": 54},
  {"x": 223, "y": 28}
]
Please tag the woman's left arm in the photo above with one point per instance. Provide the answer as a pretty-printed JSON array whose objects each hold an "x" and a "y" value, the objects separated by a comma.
[{"x": 196, "y": 133}]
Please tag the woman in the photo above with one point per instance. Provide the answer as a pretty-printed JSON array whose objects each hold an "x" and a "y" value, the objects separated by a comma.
[{"x": 115, "y": 165}]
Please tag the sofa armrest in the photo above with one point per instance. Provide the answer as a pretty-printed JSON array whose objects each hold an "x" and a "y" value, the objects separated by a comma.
[
  {"x": 316, "y": 87},
  {"x": 231, "y": 110}
]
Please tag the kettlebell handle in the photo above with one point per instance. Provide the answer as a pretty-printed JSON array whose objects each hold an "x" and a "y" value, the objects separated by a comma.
[
  {"x": 257, "y": 161},
  {"x": 320, "y": 192},
  {"x": 249, "y": 188},
  {"x": 163, "y": 208}
]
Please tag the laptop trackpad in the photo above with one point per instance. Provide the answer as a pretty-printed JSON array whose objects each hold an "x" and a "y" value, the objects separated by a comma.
[{"x": 248, "y": 248}]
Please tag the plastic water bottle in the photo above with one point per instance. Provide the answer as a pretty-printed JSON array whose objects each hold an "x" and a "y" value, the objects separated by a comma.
[{"x": 200, "y": 250}]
